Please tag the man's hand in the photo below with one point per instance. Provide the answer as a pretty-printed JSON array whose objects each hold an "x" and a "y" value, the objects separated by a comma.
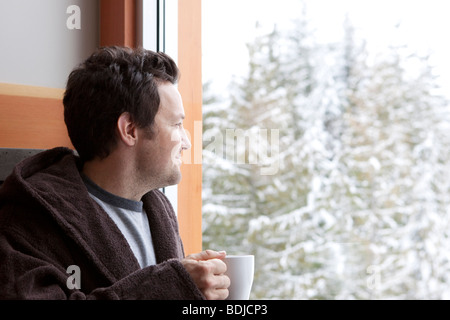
[{"x": 207, "y": 269}]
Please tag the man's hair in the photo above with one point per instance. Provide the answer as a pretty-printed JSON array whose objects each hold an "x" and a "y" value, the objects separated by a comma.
[{"x": 113, "y": 80}]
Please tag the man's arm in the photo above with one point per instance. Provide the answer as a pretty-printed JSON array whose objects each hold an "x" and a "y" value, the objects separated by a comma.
[{"x": 27, "y": 274}]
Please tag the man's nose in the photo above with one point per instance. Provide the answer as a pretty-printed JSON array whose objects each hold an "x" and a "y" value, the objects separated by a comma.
[{"x": 185, "y": 142}]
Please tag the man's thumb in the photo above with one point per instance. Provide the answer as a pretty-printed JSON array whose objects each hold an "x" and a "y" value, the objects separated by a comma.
[{"x": 207, "y": 255}]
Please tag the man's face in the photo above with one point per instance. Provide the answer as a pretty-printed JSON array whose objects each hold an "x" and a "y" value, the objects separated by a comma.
[{"x": 159, "y": 158}]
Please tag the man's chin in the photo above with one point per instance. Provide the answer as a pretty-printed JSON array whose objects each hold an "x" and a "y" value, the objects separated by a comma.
[
  {"x": 174, "y": 179},
  {"x": 178, "y": 162}
]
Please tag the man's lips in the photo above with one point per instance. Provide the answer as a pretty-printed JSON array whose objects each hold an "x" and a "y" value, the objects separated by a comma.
[{"x": 179, "y": 156}]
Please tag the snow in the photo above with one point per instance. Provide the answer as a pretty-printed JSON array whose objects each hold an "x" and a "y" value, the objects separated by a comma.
[{"x": 358, "y": 207}]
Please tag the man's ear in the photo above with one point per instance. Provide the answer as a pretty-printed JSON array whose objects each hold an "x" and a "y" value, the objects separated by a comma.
[{"x": 127, "y": 129}]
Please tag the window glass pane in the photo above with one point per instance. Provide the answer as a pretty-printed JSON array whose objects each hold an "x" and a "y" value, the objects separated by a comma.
[{"x": 327, "y": 147}]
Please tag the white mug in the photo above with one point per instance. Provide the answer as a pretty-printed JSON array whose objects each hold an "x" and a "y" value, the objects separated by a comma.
[{"x": 240, "y": 270}]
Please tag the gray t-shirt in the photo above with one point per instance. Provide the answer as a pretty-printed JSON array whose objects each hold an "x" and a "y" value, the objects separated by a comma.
[{"x": 131, "y": 219}]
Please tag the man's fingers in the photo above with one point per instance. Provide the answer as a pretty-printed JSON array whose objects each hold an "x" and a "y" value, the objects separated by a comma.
[
  {"x": 224, "y": 282},
  {"x": 219, "y": 294},
  {"x": 219, "y": 267},
  {"x": 217, "y": 288},
  {"x": 207, "y": 269}
]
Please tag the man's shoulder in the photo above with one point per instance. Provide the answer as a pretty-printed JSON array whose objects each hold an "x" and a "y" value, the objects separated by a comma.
[{"x": 38, "y": 187}]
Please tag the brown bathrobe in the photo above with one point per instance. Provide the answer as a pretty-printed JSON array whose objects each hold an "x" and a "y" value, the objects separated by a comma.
[{"x": 48, "y": 222}]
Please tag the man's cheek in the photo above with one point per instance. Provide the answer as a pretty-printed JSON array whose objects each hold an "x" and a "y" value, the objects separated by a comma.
[
  {"x": 175, "y": 141},
  {"x": 175, "y": 153}
]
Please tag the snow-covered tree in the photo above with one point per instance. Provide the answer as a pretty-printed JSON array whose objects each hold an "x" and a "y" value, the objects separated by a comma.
[
  {"x": 357, "y": 206},
  {"x": 259, "y": 212}
]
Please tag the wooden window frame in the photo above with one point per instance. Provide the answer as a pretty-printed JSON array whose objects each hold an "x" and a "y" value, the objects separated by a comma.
[{"x": 190, "y": 87}]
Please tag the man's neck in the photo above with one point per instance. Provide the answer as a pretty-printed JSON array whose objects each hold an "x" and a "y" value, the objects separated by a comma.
[{"x": 114, "y": 176}]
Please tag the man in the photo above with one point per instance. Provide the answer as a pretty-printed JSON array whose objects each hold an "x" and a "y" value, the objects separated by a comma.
[{"x": 95, "y": 226}]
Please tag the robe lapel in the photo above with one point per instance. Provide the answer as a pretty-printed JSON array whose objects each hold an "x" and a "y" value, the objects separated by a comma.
[{"x": 163, "y": 226}]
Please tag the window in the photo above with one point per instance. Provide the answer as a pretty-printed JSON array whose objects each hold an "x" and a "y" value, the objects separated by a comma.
[{"x": 326, "y": 146}]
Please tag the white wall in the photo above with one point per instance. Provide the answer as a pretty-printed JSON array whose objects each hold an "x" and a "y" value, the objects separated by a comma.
[{"x": 37, "y": 47}]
